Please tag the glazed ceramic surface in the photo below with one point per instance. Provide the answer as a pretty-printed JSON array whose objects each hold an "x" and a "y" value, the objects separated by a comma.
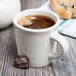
[{"x": 8, "y": 9}]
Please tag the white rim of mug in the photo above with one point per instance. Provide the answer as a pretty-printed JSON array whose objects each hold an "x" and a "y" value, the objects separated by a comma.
[{"x": 36, "y": 30}]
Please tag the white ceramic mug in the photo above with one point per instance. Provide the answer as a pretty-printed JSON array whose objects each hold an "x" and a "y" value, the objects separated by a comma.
[{"x": 39, "y": 44}]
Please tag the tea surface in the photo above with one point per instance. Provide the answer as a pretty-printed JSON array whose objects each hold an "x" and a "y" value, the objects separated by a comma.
[{"x": 36, "y": 21}]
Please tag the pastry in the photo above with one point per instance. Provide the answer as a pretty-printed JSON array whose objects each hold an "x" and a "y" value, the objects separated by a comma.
[{"x": 66, "y": 9}]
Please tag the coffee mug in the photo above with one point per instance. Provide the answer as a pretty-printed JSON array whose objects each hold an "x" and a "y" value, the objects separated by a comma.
[{"x": 39, "y": 44}]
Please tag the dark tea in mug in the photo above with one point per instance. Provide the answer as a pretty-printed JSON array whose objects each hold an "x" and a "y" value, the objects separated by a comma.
[{"x": 36, "y": 21}]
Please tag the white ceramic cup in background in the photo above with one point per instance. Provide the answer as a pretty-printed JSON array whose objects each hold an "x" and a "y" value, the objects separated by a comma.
[
  {"x": 8, "y": 9},
  {"x": 39, "y": 44}
]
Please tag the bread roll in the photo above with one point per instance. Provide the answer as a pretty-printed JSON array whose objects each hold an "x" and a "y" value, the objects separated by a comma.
[{"x": 66, "y": 9}]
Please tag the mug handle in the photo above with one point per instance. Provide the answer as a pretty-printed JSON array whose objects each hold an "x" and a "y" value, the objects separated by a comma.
[{"x": 62, "y": 41}]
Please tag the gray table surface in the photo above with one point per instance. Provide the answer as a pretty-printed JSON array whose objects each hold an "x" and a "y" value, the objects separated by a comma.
[{"x": 64, "y": 66}]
